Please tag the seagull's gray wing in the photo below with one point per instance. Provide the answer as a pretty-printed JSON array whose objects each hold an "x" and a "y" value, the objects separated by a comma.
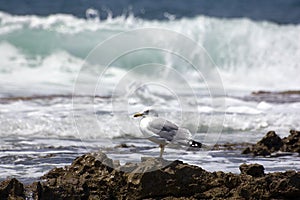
[
  {"x": 163, "y": 128},
  {"x": 183, "y": 136}
]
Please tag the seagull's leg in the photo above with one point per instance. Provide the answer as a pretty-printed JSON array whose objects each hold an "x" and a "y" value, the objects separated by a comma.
[{"x": 162, "y": 148}]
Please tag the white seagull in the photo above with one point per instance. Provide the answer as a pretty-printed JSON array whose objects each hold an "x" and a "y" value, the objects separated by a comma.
[{"x": 163, "y": 132}]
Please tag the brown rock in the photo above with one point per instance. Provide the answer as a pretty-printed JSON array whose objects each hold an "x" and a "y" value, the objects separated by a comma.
[
  {"x": 11, "y": 189},
  {"x": 89, "y": 178},
  {"x": 292, "y": 142},
  {"x": 276, "y": 97},
  {"x": 270, "y": 143},
  {"x": 273, "y": 143},
  {"x": 246, "y": 151},
  {"x": 123, "y": 145},
  {"x": 285, "y": 185},
  {"x": 254, "y": 170},
  {"x": 153, "y": 178},
  {"x": 90, "y": 175}
]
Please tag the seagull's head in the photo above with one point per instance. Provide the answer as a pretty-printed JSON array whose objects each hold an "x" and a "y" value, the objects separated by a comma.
[{"x": 147, "y": 112}]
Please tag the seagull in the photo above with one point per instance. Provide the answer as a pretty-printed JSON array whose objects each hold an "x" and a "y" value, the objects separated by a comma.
[{"x": 163, "y": 132}]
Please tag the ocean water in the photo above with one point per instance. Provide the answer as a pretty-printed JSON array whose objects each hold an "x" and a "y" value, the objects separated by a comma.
[{"x": 45, "y": 124}]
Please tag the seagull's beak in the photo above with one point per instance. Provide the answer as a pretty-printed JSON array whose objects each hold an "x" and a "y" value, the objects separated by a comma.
[{"x": 138, "y": 114}]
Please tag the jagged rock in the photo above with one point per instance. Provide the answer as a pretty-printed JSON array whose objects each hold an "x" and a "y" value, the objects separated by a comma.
[
  {"x": 11, "y": 189},
  {"x": 285, "y": 185},
  {"x": 292, "y": 142},
  {"x": 94, "y": 176},
  {"x": 88, "y": 177},
  {"x": 267, "y": 145},
  {"x": 271, "y": 143},
  {"x": 254, "y": 170}
]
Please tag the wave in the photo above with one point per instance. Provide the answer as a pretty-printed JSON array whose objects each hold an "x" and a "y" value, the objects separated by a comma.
[{"x": 49, "y": 51}]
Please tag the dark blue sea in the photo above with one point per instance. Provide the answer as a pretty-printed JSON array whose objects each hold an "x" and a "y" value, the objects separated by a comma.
[{"x": 278, "y": 11}]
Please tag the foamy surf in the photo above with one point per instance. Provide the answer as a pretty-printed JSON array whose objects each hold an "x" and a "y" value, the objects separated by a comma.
[{"x": 244, "y": 50}]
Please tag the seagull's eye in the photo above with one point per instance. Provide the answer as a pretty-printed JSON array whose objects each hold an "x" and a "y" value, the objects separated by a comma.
[{"x": 146, "y": 112}]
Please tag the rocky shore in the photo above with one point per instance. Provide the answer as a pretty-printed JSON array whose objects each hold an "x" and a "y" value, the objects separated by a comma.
[
  {"x": 272, "y": 144},
  {"x": 288, "y": 96},
  {"x": 95, "y": 176}
]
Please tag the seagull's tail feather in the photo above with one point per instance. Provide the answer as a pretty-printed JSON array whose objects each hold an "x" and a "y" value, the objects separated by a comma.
[{"x": 195, "y": 144}]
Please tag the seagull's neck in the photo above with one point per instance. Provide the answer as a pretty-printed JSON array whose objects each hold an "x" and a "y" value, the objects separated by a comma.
[
  {"x": 146, "y": 119},
  {"x": 149, "y": 117}
]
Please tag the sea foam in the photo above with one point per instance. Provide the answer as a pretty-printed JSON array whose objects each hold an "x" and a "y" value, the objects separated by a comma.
[{"x": 244, "y": 51}]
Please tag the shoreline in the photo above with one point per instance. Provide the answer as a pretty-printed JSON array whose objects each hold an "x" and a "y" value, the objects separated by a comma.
[{"x": 95, "y": 176}]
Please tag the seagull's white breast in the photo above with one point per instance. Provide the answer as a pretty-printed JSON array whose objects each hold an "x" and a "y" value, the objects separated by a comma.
[{"x": 144, "y": 124}]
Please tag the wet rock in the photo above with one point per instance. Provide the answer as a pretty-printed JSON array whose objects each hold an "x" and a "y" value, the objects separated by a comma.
[
  {"x": 88, "y": 177},
  {"x": 272, "y": 143},
  {"x": 285, "y": 185},
  {"x": 11, "y": 189},
  {"x": 254, "y": 170},
  {"x": 292, "y": 142},
  {"x": 287, "y": 92},
  {"x": 177, "y": 179},
  {"x": 123, "y": 145},
  {"x": 274, "y": 97},
  {"x": 94, "y": 176},
  {"x": 152, "y": 177},
  {"x": 267, "y": 145},
  {"x": 246, "y": 151}
]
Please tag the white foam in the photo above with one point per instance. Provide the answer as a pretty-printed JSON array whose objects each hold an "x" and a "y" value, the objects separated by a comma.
[
  {"x": 250, "y": 55},
  {"x": 57, "y": 70},
  {"x": 264, "y": 106},
  {"x": 242, "y": 110}
]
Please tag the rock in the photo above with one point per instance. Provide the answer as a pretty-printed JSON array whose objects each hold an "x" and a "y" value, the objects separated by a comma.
[
  {"x": 287, "y": 92},
  {"x": 274, "y": 97},
  {"x": 177, "y": 179},
  {"x": 254, "y": 170},
  {"x": 292, "y": 142},
  {"x": 11, "y": 189},
  {"x": 285, "y": 185},
  {"x": 267, "y": 145},
  {"x": 246, "y": 151},
  {"x": 123, "y": 145},
  {"x": 94, "y": 176},
  {"x": 88, "y": 177},
  {"x": 271, "y": 143}
]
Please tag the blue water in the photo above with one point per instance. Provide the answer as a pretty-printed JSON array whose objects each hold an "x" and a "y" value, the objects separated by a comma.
[{"x": 279, "y": 11}]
